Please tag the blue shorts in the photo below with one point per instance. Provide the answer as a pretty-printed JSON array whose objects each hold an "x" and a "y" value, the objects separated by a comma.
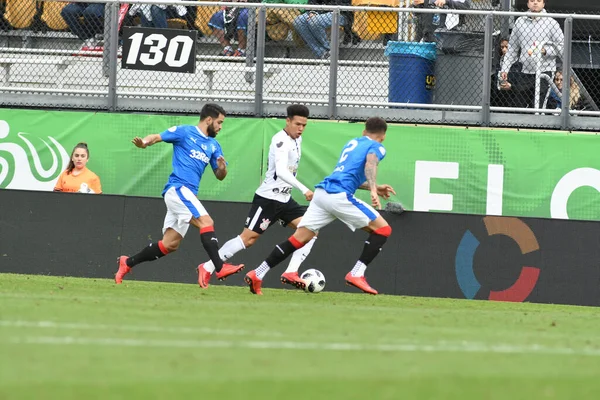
[{"x": 217, "y": 21}]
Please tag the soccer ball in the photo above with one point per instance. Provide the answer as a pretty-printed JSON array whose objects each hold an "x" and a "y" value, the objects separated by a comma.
[{"x": 315, "y": 280}]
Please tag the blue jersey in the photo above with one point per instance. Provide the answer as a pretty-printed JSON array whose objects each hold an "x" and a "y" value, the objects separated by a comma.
[
  {"x": 349, "y": 173},
  {"x": 192, "y": 152}
]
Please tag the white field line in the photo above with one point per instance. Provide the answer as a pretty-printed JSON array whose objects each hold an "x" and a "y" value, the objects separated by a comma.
[
  {"x": 135, "y": 328},
  {"x": 463, "y": 347}
]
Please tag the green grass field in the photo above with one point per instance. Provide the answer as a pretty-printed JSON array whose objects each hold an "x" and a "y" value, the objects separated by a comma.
[{"x": 68, "y": 338}]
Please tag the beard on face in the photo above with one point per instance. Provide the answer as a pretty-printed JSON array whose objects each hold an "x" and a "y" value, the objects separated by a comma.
[{"x": 211, "y": 131}]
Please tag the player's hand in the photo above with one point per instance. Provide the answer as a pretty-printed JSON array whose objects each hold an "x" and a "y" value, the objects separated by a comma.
[
  {"x": 309, "y": 195},
  {"x": 385, "y": 191},
  {"x": 221, "y": 163},
  {"x": 139, "y": 142},
  {"x": 504, "y": 76},
  {"x": 440, "y": 3},
  {"x": 375, "y": 200}
]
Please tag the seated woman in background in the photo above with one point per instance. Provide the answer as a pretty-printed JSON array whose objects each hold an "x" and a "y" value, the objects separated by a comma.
[
  {"x": 77, "y": 178},
  {"x": 576, "y": 101}
]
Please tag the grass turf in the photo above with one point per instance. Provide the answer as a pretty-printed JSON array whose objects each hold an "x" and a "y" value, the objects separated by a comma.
[{"x": 70, "y": 338}]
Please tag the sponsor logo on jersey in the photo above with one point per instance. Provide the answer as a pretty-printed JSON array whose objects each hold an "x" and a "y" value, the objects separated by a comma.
[{"x": 199, "y": 155}]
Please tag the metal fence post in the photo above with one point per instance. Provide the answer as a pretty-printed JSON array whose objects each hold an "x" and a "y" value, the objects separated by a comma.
[
  {"x": 487, "y": 70},
  {"x": 505, "y": 26},
  {"x": 109, "y": 15},
  {"x": 566, "y": 91},
  {"x": 333, "y": 66},
  {"x": 260, "y": 61},
  {"x": 113, "y": 48},
  {"x": 250, "y": 43}
]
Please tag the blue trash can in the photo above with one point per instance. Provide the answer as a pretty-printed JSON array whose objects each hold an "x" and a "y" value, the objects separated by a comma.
[{"x": 411, "y": 72}]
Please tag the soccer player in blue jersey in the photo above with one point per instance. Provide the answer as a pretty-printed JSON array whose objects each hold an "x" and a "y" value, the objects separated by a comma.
[
  {"x": 194, "y": 148},
  {"x": 334, "y": 199}
]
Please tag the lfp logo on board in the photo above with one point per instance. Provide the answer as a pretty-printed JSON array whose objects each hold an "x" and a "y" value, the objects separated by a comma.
[
  {"x": 518, "y": 231},
  {"x": 24, "y": 158}
]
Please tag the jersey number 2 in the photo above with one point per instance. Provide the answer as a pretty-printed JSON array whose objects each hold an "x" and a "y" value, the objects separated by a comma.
[{"x": 349, "y": 147}]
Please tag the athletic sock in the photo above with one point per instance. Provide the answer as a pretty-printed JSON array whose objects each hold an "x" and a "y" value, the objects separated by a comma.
[
  {"x": 300, "y": 255},
  {"x": 280, "y": 253},
  {"x": 152, "y": 252},
  {"x": 211, "y": 245},
  {"x": 228, "y": 250},
  {"x": 262, "y": 270},
  {"x": 359, "y": 269},
  {"x": 374, "y": 244}
]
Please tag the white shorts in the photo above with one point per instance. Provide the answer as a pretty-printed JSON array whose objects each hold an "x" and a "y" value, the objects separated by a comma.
[
  {"x": 182, "y": 206},
  {"x": 325, "y": 207}
]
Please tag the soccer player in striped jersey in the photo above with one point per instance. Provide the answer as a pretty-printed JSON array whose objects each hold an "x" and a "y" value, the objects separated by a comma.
[
  {"x": 272, "y": 200},
  {"x": 194, "y": 148},
  {"x": 334, "y": 199}
]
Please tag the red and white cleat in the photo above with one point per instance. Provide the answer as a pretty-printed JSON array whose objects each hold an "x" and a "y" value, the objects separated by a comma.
[
  {"x": 124, "y": 269},
  {"x": 359, "y": 282}
]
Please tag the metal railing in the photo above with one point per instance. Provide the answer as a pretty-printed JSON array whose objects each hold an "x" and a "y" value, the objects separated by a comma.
[{"x": 351, "y": 81}]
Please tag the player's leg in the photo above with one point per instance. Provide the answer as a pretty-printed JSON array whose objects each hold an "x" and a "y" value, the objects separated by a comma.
[
  {"x": 291, "y": 216},
  {"x": 211, "y": 244},
  {"x": 357, "y": 214},
  {"x": 261, "y": 216},
  {"x": 314, "y": 219},
  {"x": 175, "y": 227}
]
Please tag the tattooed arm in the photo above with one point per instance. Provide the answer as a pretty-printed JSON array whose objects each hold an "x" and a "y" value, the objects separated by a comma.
[{"x": 371, "y": 175}]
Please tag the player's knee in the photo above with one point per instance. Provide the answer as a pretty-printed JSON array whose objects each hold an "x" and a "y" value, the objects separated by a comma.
[
  {"x": 206, "y": 221},
  {"x": 249, "y": 237},
  {"x": 170, "y": 246},
  {"x": 384, "y": 231}
]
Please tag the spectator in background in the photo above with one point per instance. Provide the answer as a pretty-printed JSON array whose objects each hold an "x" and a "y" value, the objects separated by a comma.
[
  {"x": 428, "y": 23},
  {"x": 312, "y": 26},
  {"x": 85, "y": 20},
  {"x": 535, "y": 42},
  {"x": 502, "y": 93},
  {"x": 77, "y": 178},
  {"x": 231, "y": 23},
  {"x": 280, "y": 21},
  {"x": 155, "y": 16},
  {"x": 576, "y": 102}
]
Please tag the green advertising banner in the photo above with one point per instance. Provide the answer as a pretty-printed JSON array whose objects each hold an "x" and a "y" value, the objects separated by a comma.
[{"x": 432, "y": 168}]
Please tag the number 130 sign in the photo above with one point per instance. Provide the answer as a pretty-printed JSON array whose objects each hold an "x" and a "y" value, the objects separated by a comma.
[{"x": 172, "y": 50}]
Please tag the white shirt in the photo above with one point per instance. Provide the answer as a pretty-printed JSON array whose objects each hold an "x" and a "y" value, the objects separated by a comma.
[{"x": 284, "y": 157}]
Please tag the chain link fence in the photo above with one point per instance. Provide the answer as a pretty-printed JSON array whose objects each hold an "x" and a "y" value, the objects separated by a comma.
[{"x": 468, "y": 62}]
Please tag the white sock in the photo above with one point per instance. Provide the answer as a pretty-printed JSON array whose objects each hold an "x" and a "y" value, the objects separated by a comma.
[
  {"x": 359, "y": 269},
  {"x": 228, "y": 250},
  {"x": 300, "y": 255},
  {"x": 262, "y": 270}
]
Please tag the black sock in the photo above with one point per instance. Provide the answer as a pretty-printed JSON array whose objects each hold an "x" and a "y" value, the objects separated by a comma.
[
  {"x": 154, "y": 251},
  {"x": 211, "y": 245},
  {"x": 281, "y": 252},
  {"x": 372, "y": 247}
]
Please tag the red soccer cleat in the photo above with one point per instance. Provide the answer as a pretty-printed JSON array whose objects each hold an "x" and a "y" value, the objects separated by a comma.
[
  {"x": 203, "y": 276},
  {"x": 359, "y": 282},
  {"x": 292, "y": 278},
  {"x": 124, "y": 269},
  {"x": 228, "y": 269},
  {"x": 254, "y": 283}
]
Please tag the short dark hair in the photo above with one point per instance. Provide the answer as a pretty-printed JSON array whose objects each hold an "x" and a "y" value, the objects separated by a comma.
[
  {"x": 297, "y": 109},
  {"x": 376, "y": 125},
  {"x": 211, "y": 110}
]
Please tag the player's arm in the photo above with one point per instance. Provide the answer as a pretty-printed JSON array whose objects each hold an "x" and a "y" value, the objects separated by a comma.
[
  {"x": 283, "y": 173},
  {"x": 371, "y": 175},
  {"x": 147, "y": 141},
  {"x": 221, "y": 170}
]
